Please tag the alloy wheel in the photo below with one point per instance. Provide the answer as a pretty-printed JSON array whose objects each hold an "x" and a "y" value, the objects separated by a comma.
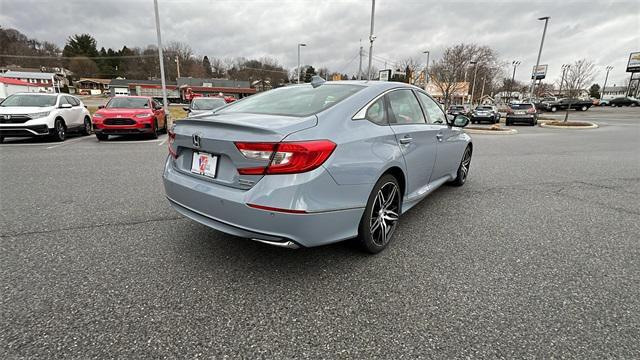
[
  {"x": 465, "y": 164},
  {"x": 60, "y": 130},
  {"x": 384, "y": 214}
]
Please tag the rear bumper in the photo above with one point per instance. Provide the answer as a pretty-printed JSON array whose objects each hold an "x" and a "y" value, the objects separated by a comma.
[
  {"x": 225, "y": 209},
  {"x": 523, "y": 118}
]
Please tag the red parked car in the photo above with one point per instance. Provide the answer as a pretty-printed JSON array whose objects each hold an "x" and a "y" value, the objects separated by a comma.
[{"x": 128, "y": 115}]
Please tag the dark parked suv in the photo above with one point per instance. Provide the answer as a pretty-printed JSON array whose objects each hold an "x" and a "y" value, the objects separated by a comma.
[
  {"x": 523, "y": 112},
  {"x": 624, "y": 101},
  {"x": 459, "y": 110}
]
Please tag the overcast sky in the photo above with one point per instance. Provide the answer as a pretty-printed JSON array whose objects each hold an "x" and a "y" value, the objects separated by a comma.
[{"x": 604, "y": 31}]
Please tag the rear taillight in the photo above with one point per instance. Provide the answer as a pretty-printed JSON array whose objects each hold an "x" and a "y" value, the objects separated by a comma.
[
  {"x": 172, "y": 139},
  {"x": 531, "y": 111},
  {"x": 285, "y": 157}
]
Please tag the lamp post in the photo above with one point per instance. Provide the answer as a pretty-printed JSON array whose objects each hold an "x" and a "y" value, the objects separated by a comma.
[
  {"x": 515, "y": 64},
  {"x": 609, "y": 68},
  {"x": 426, "y": 70},
  {"x": 475, "y": 72},
  {"x": 371, "y": 39},
  {"x": 544, "y": 32},
  {"x": 161, "y": 56},
  {"x": 565, "y": 67},
  {"x": 299, "y": 45}
]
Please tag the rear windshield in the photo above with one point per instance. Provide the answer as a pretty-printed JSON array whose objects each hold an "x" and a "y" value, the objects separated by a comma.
[
  {"x": 456, "y": 107},
  {"x": 293, "y": 101},
  {"x": 29, "y": 100},
  {"x": 484, "y": 108},
  {"x": 521, "y": 106},
  {"x": 128, "y": 103},
  {"x": 207, "y": 104}
]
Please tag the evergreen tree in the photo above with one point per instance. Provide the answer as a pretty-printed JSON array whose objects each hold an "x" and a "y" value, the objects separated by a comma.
[
  {"x": 309, "y": 73},
  {"x": 594, "y": 91},
  {"x": 207, "y": 67}
]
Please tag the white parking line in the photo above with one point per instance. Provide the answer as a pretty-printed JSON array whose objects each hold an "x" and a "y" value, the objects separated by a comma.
[
  {"x": 10, "y": 144},
  {"x": 69, "y": 142},
  {"x": 163, "y": 141},
  {"x": 132, "y": 141}
]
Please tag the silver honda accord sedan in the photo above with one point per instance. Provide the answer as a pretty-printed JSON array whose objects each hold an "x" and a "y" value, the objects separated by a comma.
[{"x": 314, "y": 164}]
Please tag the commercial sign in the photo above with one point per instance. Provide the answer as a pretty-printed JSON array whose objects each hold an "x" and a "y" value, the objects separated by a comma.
[
  {"x": 540, "y": 72},
  {"x": 634, "y": 62},
  {"x": 384, "y": 75}
]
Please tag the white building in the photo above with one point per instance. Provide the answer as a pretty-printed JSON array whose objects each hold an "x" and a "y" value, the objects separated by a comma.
[
  {"x": 10, "y": 86},
  {"x": 47, "y": 81},
  {"x": 612, "y": 92}
]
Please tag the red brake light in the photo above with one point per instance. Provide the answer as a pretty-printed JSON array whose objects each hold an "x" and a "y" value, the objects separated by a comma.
[
  {"x": 286, "y": 157},
  {"x": 172, "y": 139},
  {"x": 531, "y": 110}
]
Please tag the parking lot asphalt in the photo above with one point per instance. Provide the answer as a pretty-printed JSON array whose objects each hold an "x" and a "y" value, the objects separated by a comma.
[{"x": 537, "y": 256}]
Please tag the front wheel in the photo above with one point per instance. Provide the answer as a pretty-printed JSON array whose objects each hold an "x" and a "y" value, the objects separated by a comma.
[
  {"x": 463, "y": 169},
  {"x": 380, "y": 216},
  {"x": 154, "y": 134},
  {"x": 58, "y": 133}
]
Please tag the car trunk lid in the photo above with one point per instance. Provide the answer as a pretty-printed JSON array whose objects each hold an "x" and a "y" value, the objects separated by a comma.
[{"x": 217, "y": 134}]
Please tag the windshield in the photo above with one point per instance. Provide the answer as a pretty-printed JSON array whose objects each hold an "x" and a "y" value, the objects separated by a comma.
[
  {"x": 483, "y": 108},
  {"x": 128, "y": 103},
  {"x": 521, "y": 106},
  {"x": 293, "y": 101},
  {"x": 29, "y": 100},
  {"x": 456, "y": 107},
  {"x": 207, "y": 104}
]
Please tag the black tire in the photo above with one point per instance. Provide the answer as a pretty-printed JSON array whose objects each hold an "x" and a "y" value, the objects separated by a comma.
[
  {"x": 463, "y": 168},
  {"x": 584, "y": 108},
  {"x": 507, "y": 123},
  {"x": 102, "y": 137},
  {"x": 381, "y": 215},
  {"x": 154, "y": 134},
  {"x": 554, "y": 109},
  {"x": 59, "y": 131},
  {"x": 86, "y": 128},
  {"x": 632, "y": 104}
]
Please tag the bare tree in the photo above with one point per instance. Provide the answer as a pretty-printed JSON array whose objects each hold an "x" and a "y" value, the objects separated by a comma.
[{"x": 578, "y": 76}]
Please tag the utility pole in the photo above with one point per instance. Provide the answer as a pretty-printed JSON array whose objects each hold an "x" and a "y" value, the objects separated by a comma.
[
  {"x": 475, "y": 72},
  {"x": 177, "y": 60},
  {"x": 482, "y": 93},
  {"x": 165, "y": 102},
  {"x": 360, "y": 65},
  {"x": 299, "y": 45},
  {"x": 515, "y": 64},
  {"x": 566, "y": 114},
  {"x": 426, "y": 70},
  {"x": 371, "y": 39},
  {"x": 609, "y": 68},
  {"x": 565, "y": 67},
  {"x": 544, "y": 32}
]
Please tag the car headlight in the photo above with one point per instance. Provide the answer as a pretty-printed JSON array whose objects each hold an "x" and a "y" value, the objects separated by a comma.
[
  {"x": 143, "y": 115},
  {"x": 96, "y": 115},
  {"x": 39, "y": 115}
]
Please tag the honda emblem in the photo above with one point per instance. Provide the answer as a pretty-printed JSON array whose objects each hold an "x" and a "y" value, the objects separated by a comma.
[{"x": 196, "y": 140}]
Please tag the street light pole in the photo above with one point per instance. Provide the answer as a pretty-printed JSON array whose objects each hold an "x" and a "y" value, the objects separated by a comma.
[
  {"x": 161, "y": 56},
  {"x": 515, "y": 64},
  {"x": 426, "y": 70},
  {"x": 609, "y": 68},
  {"x": 178, "y": 65},
  {"x": 371, "y": 39},
  {"x": 475, "y": 72},
  {"x": 564, "y": 71},
  {"x": 298, "y": 69},
  {"x": 544, "y": 32}
]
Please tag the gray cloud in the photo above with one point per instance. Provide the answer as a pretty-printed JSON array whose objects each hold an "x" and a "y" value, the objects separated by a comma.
[{"x": 603, "y": 31}]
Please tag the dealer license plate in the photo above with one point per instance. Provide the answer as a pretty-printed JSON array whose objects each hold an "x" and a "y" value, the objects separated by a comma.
[{"x": 204, "y": 164}]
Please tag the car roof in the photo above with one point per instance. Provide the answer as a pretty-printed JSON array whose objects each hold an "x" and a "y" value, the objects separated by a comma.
[{"x": 39, "y": 94}]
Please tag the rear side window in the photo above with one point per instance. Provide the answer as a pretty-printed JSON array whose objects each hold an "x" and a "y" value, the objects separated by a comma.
[
  {"x": 73, "y": 101},
  {"x": 521, "y": 106},
  {"x": 404, "y": 108},
  {"x": 377, "y": 113}
]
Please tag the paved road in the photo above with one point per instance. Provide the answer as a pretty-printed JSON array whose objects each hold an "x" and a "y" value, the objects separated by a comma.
[{"x": 536, "y": 256}]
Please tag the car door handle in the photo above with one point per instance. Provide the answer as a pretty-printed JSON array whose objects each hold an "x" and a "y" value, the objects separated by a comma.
[
  {"x": 406, "y": 140},
  {"x": 439, "y": 136}
]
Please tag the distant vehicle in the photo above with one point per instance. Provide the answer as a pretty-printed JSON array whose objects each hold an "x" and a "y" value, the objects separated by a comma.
[
  {"x": 128, "y": 115},
  {"x": 203, "y": 105},
  {"x": 38, "y": 115},
  {"x": 624, "y": 101},
  {"x": 459, "y": 110},
  {"x": 522, "y": 112},
  {"x": 602, "y": 102},
  {"x": 488, "y": 113},
  {"x": 563, "y": 104}
]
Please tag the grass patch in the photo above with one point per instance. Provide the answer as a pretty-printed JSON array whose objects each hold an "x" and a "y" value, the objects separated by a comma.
[{"x": 568, "y": 123}]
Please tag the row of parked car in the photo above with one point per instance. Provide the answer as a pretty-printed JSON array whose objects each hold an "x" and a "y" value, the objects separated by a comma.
[
  {"x": 55, "y": 115},
  {"x": 525, "y": 112}
]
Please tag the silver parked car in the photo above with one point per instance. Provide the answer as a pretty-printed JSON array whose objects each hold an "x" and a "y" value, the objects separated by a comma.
[
  {"x": 203, "y": 105},
  {"x": 309, "y": 165}
]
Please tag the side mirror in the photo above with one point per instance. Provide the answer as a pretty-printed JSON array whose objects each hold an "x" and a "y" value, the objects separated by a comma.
[
  {"x": 460, "y": 121},
  {"x": 65, "y": 106},
  {"x": 100, "y": 106},
  {"x": 185, "y": 108}
]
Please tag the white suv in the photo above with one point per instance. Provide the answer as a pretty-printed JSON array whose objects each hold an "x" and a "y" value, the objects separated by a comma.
[{"x": 34, "y": 114}]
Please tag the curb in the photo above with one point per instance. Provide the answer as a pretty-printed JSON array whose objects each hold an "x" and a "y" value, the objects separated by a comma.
[
  {"x": 592, "y": 126},
  {"x": 492, "y": 132}
]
